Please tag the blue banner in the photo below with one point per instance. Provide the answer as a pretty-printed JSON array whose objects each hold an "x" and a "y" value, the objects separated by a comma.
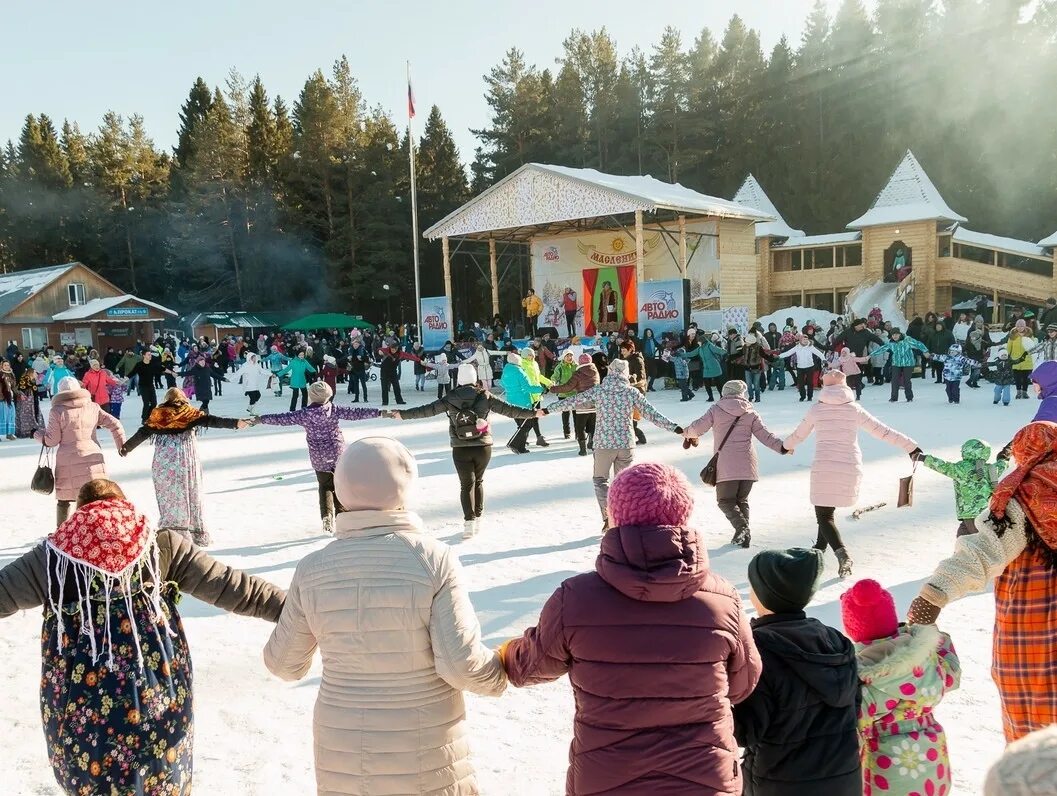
[
  {"x": 127, "y": 312},
  {"x": 436, "y": 322},
  {"x": 662, "y": 306}
]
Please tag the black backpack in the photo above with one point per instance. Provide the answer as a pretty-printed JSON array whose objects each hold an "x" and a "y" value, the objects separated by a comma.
[{"x": 464, "y": 424}]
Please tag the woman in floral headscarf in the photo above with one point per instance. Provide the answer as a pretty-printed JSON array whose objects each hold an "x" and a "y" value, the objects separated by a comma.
[
  {"x": 116, "y": 685},
  {"x": 1016, "y": 548}
]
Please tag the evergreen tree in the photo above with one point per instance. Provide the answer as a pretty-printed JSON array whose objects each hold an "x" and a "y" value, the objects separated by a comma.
[{"x": 668, "y": 100}]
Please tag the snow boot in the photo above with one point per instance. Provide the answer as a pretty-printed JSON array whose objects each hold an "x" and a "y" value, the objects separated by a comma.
[
  {"x": 469, "y": 529},
  {"x": 542, "y": 443},
  {"x": 742, "y": 537},
  {"x": 583, "y": 447},
  {"x": 843, "y": 563}
]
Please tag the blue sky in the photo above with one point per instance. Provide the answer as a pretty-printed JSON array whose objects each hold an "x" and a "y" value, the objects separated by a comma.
[{"x": 77, "y": 60}]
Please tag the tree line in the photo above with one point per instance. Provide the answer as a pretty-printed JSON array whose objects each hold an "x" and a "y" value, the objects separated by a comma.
[{"x": 262, "y": 205}]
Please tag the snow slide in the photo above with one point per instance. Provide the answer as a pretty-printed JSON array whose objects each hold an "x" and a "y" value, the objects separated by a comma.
[{"x": 879, "y": 294}]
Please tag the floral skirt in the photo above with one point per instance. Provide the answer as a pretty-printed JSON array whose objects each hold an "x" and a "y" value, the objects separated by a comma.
[
  {"x": 124, "y": 729},
  {"x": 26, "y": 418},
  {"x": 177, "y": 477}
]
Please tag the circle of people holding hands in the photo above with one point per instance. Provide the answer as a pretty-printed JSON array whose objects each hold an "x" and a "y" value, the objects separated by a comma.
[{"x": 671, "y": 677}]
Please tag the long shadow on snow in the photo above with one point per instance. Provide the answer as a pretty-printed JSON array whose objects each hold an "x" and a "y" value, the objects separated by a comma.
[
  {"x": 470, "y": 559},
  {"x": 510, "y": 603}
]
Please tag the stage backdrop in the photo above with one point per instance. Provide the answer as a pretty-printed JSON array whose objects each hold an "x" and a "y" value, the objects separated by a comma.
[
  {"x": 436, "y": 322},
  {"x": 568, "y": 261}
]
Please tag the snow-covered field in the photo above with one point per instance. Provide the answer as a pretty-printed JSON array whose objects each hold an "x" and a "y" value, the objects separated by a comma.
[{"x": 254, "y": 732}]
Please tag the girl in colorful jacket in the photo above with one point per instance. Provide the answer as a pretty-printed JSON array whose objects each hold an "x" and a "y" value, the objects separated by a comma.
[
  {"x": 974, "y": 480},
  {"x": 905, "y": 671}
]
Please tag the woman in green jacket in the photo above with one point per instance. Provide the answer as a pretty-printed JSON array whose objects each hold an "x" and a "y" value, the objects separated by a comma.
[
  {"x": 298, "y": 370},
  {"x": 564, "y": 371},
  {"x": 711, "y": 357}
]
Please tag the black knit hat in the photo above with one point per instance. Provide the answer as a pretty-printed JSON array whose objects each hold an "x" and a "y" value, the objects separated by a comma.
[{"x": 786, "y": 580}]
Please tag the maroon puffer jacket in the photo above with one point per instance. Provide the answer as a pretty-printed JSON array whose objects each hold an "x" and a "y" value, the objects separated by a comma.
[{"x": 657, "y": 650}]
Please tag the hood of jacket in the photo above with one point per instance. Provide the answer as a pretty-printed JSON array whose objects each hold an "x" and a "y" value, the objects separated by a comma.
[
  {"x": 734, "y": 406},
  {"x": 660, "y": 564},
  {"x": 1045, "y": 376},
  {"x": 72, "y": 399},
  {"x": 976, "y": 450},
  {"x": 823, "y": 658},
  {"x": 836, "y": 394},
  {"x": 464, "y": 397},
  {"x": 884, "y": 663},
  {"x": 615, "y": 381}
]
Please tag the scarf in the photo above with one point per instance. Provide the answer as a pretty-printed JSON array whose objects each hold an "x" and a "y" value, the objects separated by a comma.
[
  {"x": 1033, "y": 483},
  {"x": 174, "y": 418},
  {"x": 112, "y": 551}
]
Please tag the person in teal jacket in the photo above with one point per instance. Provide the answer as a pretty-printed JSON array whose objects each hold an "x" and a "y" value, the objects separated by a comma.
[
  {"x": 711, "y": 357},
  {"x": 276, "y": 362},
  {"x": 298, "y": 370},
  {"x": 974, "y": 480},
  {"x": 902, "y": 350},
  {"x": 536, "y": 379},
  {"x": 520, "y": 392},
  {"x": 56, "y": 373}
]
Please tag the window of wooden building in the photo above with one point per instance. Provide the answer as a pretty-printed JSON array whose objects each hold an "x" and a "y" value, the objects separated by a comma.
[
  {"x": 1029, "y": 265},
  {"x": 75, "y": 291},
  {"x": 974, "y": 253},
  {"x": 852, "y": 254},
  {"x": 34, "y": 338}
]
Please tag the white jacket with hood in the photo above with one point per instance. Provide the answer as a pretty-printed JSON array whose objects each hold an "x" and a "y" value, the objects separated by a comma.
[{"x": 400, "y": 642}]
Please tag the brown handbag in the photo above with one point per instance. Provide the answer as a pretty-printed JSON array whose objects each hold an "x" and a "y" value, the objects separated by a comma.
[
  {"x": 710, "y": 472},
  {"x": 906, "y": 489}
]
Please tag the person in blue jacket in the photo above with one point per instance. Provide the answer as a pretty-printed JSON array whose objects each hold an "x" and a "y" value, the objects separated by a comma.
[
  {"x": 520, "y": 392},
  {"x": 298, "y": 370}
]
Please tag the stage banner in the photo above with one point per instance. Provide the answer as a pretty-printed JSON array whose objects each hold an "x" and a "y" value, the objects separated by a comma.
[
  {"x": 436, "y": 322},
  {"x": 610, "y": 298},
  {"x": 662, "y": 306}
]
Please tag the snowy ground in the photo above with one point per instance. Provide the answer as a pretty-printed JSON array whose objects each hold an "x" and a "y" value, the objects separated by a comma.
[{"x": 254, "y": 732}]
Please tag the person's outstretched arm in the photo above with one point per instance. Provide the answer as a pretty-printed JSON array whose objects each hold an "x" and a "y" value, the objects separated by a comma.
[
  {"x": 541, "y": 654},
  {"x": 292, "y": 645},
  {"x": 431, "y": 409},
  {"x": 135, "y": 441},
  {"x": 461, "y": 659},
  {"x": 24, "y": 582},
  {"x": 764, "y": 435},
  {"x": 353, "y": 413},
  {"x": 885, "y": 433},
  {"x": 653, "y": 415},
  {"x": 507, "y": 410},
  {"x": 113, "y": 425},
  {"x": 801, "y": 433},
  {"x": 200, "y": 575},
  {"x": 295, "y": 418},
  {"x": 940, "y": 465}
]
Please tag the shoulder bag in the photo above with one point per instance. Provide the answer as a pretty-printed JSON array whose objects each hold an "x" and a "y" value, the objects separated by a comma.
[
  {"x": 710, "y": 472},
  {"x": 43, "y": 479}
]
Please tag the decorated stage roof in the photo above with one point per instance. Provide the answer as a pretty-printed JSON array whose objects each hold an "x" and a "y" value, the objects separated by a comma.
[{"x": 539, "y": 198}]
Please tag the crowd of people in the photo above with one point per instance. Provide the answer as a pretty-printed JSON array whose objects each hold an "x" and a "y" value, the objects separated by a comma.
[{"x": 671, "y": 677}]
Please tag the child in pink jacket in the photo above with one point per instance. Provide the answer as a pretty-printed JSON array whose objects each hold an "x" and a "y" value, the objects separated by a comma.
[{"x": 848, "y": 364}]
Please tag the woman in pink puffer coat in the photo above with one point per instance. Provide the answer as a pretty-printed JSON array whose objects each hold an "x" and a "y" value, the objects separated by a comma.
[
  {"x": 836, "y": 471},
  {"x": 71, "y": 428}
]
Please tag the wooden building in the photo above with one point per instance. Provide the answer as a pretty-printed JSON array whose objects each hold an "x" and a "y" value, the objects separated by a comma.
[
  {"x": 73, "y": 305},
  {"x": 909, "y": 243}
]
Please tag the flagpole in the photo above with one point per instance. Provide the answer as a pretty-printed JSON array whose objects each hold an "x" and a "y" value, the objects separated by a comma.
[{"x": 414, "y": 206}]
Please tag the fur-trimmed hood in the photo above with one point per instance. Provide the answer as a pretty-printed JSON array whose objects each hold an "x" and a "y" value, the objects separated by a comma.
[{"x": 885, "y": 663}]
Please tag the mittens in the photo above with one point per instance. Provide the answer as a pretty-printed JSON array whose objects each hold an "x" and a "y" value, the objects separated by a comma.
[
  {"x": 922, "y": 612},
  {"x": 689, "y": 442}
]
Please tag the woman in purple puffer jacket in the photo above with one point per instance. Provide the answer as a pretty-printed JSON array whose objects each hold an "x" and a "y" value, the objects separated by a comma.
[
  {"x": 325, "y": 441},
  {"x": 656, "y": 647}
]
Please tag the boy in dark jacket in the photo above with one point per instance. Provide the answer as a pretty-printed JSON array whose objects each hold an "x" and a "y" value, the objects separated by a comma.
[{"x": 799, "y": 727}]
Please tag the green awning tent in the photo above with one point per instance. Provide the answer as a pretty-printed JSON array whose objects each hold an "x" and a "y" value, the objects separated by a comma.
[{"x": 327, "y": 320}]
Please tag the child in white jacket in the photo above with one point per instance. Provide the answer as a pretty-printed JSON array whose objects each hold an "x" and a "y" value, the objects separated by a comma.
[{"x": 804, "y": 356}]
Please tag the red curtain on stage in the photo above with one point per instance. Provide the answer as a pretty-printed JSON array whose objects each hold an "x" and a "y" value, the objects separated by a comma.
[
  {"x": 590, "y": 280},
  {"x": 626, "y": 274}
]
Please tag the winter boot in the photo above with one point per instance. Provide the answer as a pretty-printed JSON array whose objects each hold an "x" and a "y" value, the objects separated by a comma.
[
  {"x": 583, "y": 447},
  {"x": 843, "y": 563},
  {"x": 639, "y": 436},
  {"x": 542, "y": 443},
  {"x": 469, "y": 529},
  {"x": 741, "y": 537},
  {"x": 328, "y": 524}
]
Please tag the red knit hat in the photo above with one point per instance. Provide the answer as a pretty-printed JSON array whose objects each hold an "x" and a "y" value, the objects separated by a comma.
[
  {"x": 650, "y": 494},
  {"x": 868, "y": 611}
]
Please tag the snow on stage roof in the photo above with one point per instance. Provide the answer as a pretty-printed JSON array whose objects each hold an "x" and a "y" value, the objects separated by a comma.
[
  {"x": 751, "y": 194},
  {"x": 538, "y": 198},
  {"x": 1050, "y": 241},
  {"x": 983, "y": 239},
  {"x": 819, "y": 240},
  {"x": 909, "y": 195}
]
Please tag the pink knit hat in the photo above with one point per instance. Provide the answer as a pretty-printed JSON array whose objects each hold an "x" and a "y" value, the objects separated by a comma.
[
  {"x": 834, "y": 377},
  {"x": 585, "y": 359},
  {"x": 650, "y": 494},
  {"x": 868, "y": 612}
]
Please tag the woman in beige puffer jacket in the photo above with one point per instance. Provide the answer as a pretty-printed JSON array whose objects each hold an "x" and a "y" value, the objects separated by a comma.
[{"x": 398, "y": 636}]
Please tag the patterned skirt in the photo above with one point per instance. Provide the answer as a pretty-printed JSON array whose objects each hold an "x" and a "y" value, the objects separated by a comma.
[
  {"x": 26, "y": 418},
  {"x": 178, "y": 485},
  {"x": 1024, "y": 666},
  {"x": 126, "y": 729}
]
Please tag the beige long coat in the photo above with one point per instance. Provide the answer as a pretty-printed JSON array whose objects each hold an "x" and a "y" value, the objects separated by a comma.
[{"x": 400, "y": 643}]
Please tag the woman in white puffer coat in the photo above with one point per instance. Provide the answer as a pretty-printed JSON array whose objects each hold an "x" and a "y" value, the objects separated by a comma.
[
  {"x": 400, "y": 642},
  {"x": 255, "y": 379}
]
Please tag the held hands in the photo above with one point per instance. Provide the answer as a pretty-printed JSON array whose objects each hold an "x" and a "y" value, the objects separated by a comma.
[
  {"x": 243, "y": 424},
  {"x": 917, "y": 455},
  {"x": 689, "y": 442},
  {"x": 922, "y": 612},
  {"x": 785, "y": 451}
]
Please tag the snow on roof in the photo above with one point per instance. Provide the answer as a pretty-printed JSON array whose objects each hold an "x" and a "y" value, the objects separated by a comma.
[
  {"x": 1050, "y": 241},
  {"x": 94, "y": 306},
  {"x": 18, "y": 286},
  {"x": 909, "y": 195},
  {"x": 819, "y": 240},
  {"x": 1025, "y": 247},
  {"x": 801, "y": 317},
  {"x": 751, "y": 194},
  {"x": 539, "y": 194}
]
